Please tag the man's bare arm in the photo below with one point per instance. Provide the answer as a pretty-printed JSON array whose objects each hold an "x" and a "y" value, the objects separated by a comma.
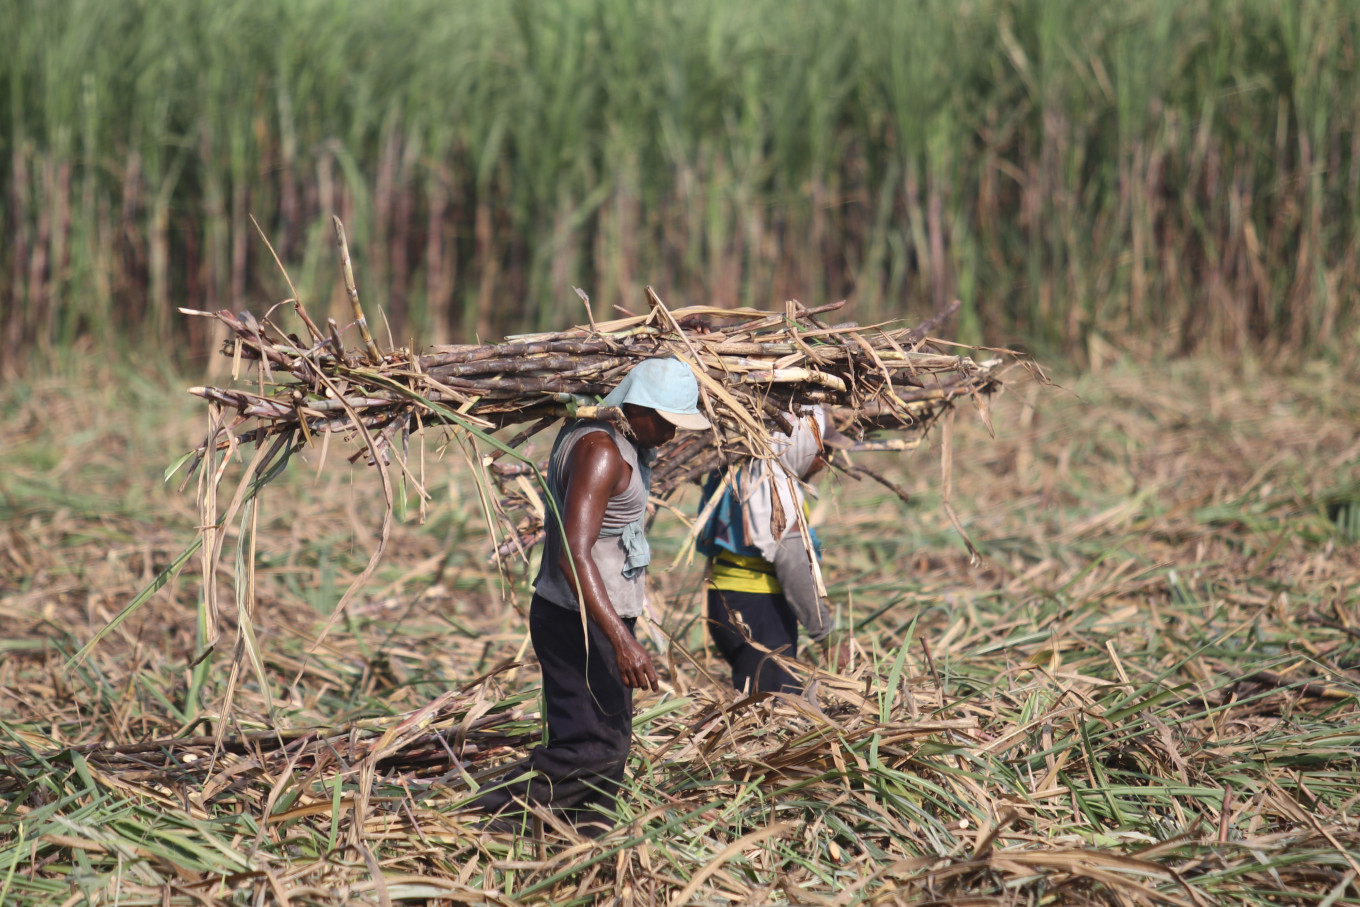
[{"x": 595, "y": 472}]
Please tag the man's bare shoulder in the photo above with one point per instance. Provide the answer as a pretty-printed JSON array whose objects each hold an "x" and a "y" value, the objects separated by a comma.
[
  {"x": 596, "y": 454},
  {"x": 597, "y": 443}
]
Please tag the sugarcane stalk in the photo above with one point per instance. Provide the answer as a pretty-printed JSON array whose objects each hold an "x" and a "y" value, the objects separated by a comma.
[
  {"x": 372, "y": 348},
  {"x": 508, "y": 350},
  {"x": 794, "y": 376},
  {"x": 562, "y": 365}
]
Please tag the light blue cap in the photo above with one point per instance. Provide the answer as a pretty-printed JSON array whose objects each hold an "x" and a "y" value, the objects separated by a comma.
[{"x": 665, "y": 385}]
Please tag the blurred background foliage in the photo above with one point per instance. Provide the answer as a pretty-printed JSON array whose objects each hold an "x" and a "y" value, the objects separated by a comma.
[{"x": 1150, "y": 176}]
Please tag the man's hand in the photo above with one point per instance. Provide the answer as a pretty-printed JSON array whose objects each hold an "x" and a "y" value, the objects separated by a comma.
[{"x": 635, "y": 665}]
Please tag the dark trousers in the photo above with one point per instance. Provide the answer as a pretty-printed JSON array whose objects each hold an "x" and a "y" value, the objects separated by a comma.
[
  {"x": 589, "y": 715},
  {"x": 737, "y": 619}
]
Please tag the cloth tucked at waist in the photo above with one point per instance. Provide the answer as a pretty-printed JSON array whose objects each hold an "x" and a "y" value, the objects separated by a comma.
[{"x": 637, "y": 553}]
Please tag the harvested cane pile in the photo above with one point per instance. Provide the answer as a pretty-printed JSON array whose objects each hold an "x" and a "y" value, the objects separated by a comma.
[
  {"x": 753, "y": 368},
  {"x": 751, "y": 373}
]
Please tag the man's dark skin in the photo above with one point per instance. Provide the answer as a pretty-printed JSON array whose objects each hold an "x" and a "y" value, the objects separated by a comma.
[{"x": 595, "y": 473}]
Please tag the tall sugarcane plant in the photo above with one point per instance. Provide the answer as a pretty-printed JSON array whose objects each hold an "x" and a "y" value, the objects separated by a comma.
[{"x": 1152, "y": 175}]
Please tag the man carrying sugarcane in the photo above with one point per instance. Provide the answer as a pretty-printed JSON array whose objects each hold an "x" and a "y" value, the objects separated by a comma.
[
  {"x": 587, "y": 597},
  {"x": 763, "y": 576}
]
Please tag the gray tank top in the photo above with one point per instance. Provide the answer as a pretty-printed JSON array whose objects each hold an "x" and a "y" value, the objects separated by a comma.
[{"x": 609, "y": 550}]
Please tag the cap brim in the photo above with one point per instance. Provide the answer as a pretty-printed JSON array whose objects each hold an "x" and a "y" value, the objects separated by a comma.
[{"x": 686, "y": 421}]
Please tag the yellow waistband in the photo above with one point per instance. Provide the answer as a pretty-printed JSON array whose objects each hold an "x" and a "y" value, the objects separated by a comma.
[{"x": 742, "y": 573}]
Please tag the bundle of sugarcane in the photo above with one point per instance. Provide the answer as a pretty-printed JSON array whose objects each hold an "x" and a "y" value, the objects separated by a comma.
[
  {"x": 752, "y": 372},
  {"x": 871, "y": 379},
  {"x": 754, "y": 369}
]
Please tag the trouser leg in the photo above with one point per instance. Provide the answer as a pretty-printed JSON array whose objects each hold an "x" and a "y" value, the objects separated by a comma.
[
  {"x": 589, "y": 715},
  {"x": 736, "y": 620}
]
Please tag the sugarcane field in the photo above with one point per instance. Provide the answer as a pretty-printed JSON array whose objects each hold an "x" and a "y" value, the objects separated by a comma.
[{"x": 850, "y": 453}]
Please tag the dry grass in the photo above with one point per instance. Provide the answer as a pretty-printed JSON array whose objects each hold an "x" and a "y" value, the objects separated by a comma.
[{"x": 1144, "y": 693}]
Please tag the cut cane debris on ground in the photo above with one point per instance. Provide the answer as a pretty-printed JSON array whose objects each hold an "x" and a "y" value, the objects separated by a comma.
[{"x": 1145, "y": 693}]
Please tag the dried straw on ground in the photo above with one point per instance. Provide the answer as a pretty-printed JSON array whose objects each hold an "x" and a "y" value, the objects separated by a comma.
[
  {"x": 1146, "y": 694},
  {"x": 879, "y": 787}
]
